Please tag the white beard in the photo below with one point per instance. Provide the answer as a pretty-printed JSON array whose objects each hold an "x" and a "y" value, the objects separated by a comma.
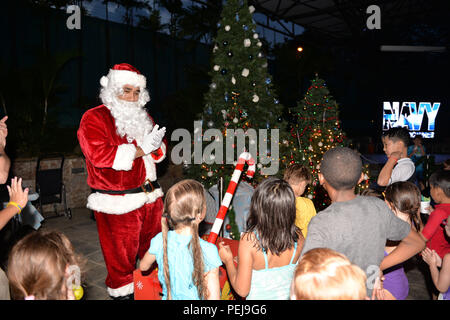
[{"x": 131, "y": 120}]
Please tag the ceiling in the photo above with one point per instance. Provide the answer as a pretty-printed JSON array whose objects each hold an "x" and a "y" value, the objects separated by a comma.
[{"x": 344, "y": 19}]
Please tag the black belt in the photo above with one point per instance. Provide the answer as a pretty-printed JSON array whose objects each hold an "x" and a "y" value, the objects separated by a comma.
[{"x": 147, "y": 187}]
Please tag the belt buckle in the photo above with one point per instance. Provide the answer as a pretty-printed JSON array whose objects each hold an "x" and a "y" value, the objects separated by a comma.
[{"x": 145, "y": 184}]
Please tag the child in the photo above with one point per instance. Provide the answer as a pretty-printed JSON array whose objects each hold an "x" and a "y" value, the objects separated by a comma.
[
  {"x": 40, "y": 267},
  {"x": 18, "y": 199},
  {"x": 270, "y": 248},
  {"x": 433, "y": 232},
  {"x": 298, "y": 178},
  {"x": 440, "y": 279},
  {"x": 324, "y": 274},
  {"x": 398, "y": 167},
  {"x": 354, "y": 225},
  {"x": 403, "y": 198},
  {"x": 446, "y": 165},
  {"x": 188, "y": 265},
  {"x": 416, "y": 152}
]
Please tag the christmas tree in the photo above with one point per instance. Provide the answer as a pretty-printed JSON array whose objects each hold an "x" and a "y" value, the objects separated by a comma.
[
  {"x": 240, "y": 97},
  {"x": 317, "y": 130}
]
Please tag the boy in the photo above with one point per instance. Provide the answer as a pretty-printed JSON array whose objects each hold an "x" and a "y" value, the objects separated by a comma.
[
  {"x": 358, "y": 226},
  {"x": 399, "y": 166},
  {"x": 298, "y": 178},
  {"x": 433, "y": 232}
]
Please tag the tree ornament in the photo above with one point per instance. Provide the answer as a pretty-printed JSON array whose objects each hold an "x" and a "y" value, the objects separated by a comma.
[
  {"x": 233, "y": 80},
  {"x": 255, "y": 98},
  {"x": 228, "y": 227},
  {"x": 210, "y": 124},
  {"x": 225, "y": 43},
  {"x": 227, "y": 28},
  {"x": 279, "y": 119},
  {"x": 255, "y": 36},
  {"x": 210, "y": 174},
  {"x": 320, "y": 144},
  {"x": 235, "y": 120},
  {"x": 216, "y": 68},
  {"x": 251, "y": 9},
  {"x": 223, "y": 71},
  {"x": 229, "y": 54},
  {"x": 245, "y": 72},
  {"x": 259, "y": 43},
  {"x": 213, "y": 85},
  {"x": 247, "y": 43},
  {"x": 244, "y": 27},
  {"x": 250, "y": 57}
]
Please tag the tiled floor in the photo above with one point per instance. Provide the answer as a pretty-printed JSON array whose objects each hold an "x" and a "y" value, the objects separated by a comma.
[{"x": 82, "y": 231}]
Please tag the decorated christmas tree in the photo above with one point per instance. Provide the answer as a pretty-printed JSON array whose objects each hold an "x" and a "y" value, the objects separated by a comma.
[
  {"x": 317, "y": 130},
  {"x": 240, "y": 97}
]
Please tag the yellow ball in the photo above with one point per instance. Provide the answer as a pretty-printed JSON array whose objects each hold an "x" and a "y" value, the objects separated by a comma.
[{"x": 78, "y": 292}]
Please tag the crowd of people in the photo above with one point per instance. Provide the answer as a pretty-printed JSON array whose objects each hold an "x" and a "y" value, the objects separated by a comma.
[{"x": 354, "y": 249}]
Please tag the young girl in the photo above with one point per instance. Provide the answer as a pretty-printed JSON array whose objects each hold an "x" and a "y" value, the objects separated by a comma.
[
  {"x": 440, "y": 279},
  {"x": 404, "y": 200},
  {"x": 270, "y": 248},
  {"x": 43, "y": 266},
  {"x": 188, "y": 265}
]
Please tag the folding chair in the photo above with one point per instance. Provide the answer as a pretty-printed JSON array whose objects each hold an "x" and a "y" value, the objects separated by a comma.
[{"x": 50, "y": 186}]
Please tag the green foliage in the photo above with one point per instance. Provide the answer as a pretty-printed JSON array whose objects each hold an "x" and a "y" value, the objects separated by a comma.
[{"x": 28, "y": 97}]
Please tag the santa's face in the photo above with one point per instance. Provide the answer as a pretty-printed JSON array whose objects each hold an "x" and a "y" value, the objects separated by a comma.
[{"x": 130, "y": 93}]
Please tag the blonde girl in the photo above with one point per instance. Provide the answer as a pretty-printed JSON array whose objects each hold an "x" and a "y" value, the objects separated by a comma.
[{"x": 188, "y": 265}]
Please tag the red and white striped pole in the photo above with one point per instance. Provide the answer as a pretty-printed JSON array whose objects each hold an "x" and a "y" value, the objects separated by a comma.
[{"x": 245, "y": 157}]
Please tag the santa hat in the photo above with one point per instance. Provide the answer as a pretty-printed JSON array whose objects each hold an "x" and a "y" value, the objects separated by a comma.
[{"x": 122, "y": 74}]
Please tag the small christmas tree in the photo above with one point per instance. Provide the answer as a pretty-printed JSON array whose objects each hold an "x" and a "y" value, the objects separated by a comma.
[{"x": 317, "y": 130}]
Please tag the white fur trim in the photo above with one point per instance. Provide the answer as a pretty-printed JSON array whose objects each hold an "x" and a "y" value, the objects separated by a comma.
[
  {"x": 124, "y": 157},
  {"x": 150, "y": 168},
  {"x": 118, "y": 78},
  {"x": 122, "y": 291},
  {"x": 121, "y": 204},
  {"x": 104, "y": 81}
]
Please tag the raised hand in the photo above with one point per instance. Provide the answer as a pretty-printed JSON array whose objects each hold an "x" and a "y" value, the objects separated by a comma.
[
  {"x": 16, "y": 193},
  {"x": 153, "y": 140}
]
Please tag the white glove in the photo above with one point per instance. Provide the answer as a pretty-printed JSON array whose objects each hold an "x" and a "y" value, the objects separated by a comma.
[{"x": 153, "y": 140}]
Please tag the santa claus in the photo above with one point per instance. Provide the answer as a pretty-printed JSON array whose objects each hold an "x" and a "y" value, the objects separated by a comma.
[{"x": 122, "y": 144}]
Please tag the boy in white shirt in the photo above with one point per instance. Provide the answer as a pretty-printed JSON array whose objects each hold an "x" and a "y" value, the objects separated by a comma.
[{"x": 399, "y": 166}]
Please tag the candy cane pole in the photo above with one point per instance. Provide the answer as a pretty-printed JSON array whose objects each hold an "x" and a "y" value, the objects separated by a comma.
[{"x": 245, "y": 157}]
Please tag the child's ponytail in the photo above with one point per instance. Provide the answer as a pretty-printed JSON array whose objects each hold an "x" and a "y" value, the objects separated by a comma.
[
  {"x": 165, "y": 230},
  {"x": 197, "y": 255}
]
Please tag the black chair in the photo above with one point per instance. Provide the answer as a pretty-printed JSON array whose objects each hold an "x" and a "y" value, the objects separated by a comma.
[{"x": 50, "y": 187}]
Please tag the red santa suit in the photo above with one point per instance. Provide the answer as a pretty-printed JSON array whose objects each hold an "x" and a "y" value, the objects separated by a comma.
[{"x": 126, "y": 222}]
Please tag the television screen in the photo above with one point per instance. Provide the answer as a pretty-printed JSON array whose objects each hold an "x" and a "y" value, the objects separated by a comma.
[{"x": 418, "y": 117}]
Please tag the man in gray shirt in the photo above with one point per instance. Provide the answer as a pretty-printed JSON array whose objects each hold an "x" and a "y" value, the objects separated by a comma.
[{"x": 358, "y": 226}]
